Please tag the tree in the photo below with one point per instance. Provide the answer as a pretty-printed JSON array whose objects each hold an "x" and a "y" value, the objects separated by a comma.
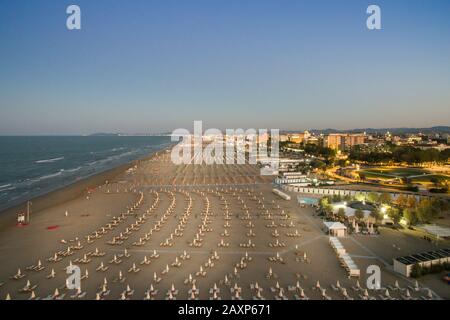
[
  {"x": 318, "y": 164},
  {"x": 341, "y": 214},
  {"x": 347, "y": 198},
  {"x": 374, "y": 215},
  {"x": 410, "y": 216},
  {"x": 394, "y": 214},
  {"x": 411, "y": 202},
  {"x": 385, "y": 198},
  {"x": 399, "y": 154},
  {"x": 377, "y": 214},
  {"x": 435, "y": 180},
  {"x": 373, "y": 197},
  {"x": 427, "y": 211},
  {"x": 442, "y": 204},
  {"x": 359, "y": 214},
  {"x": 401, "y": 200},
  {"x": 324, "y": 203}
]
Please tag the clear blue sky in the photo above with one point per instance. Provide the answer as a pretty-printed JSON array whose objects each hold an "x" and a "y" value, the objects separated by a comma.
[{"x": 156, "y": 65}]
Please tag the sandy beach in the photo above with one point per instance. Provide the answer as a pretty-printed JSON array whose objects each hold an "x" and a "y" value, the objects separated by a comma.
[{"x": 161, "y": 231}]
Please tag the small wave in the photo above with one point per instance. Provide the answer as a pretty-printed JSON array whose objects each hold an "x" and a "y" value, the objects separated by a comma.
[
  {"x": 112, "y": 158},
  {"x": 6, "y": 187},
  {"x": 48, "y": 176},
  {"x": 108, "y": 150},
  {"x": 49, "y": 160},
  {"x": 73, "y": 170}
]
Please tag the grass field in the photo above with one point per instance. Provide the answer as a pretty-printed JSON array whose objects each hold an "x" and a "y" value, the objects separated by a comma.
[
  {"x": 394, "y": 172},
  {"x": 416, "y": 175}
]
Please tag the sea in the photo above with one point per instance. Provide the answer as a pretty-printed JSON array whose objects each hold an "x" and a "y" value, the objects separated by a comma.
[{"x": 35, "y": 165}]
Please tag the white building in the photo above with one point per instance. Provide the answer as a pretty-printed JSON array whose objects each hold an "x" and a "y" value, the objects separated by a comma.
[
  {"x": 404, "y": 265},
  {"x": 335, "y": 229}
]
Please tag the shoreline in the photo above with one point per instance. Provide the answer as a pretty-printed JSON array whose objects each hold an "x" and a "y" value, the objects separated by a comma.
[{"x": 68, "y": 192}]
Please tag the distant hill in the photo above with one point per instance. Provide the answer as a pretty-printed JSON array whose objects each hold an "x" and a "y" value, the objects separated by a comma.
[
  {"x": 106, "y": 134},
  {"x": 436, "y": 129},
  {"x": 103, "y": 134}
]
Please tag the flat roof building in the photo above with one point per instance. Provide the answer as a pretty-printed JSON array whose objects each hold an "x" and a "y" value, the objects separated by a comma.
[
  {"x": 404, "y": 265},
  {"x": 343, "y": 141}
]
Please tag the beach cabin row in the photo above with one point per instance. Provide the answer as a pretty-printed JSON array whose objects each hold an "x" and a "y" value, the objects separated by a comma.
[
  {"x": 281, "y": 194},
  {"x": 344, "y": 258}
]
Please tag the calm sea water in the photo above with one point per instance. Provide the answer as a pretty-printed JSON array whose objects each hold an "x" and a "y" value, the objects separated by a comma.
[{"x": 31, "y": 166}]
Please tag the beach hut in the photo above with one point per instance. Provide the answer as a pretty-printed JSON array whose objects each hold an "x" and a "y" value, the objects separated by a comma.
[{"x": 335, "y": 229}]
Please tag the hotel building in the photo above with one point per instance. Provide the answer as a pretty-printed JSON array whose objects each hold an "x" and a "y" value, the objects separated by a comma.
[{"x": 343, "y": 141}]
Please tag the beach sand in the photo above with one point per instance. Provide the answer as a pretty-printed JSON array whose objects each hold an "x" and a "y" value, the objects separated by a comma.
[{"x": 165, "y": 207}]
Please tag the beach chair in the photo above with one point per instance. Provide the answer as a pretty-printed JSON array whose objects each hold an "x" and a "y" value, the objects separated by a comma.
[
  {"x": 33, "y": 296},
  {"x": 18, "y": 275}
]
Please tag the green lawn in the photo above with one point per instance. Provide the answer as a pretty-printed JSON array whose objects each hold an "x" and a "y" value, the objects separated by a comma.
[
  {"x": 420, "y": 175},
  {"x": 389, "y": 173}
]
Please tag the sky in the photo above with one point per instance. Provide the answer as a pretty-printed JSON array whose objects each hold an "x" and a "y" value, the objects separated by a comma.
[{"x": 156, "y": 65}]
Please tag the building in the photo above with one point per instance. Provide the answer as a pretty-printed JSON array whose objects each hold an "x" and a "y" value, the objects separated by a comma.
[
  {"x": 290, "y": 165},
  {"x": 299, "y": 137},
  {"x": 313, "y": 140},
  {"x": 333, "y": 141},
  {"x": 335, "y": 229},
  {"x": 343, "y": 141},
  {"x": 281, "y": 194},
  {"x": 404, "y": 265},
  {"x": 413, "y": 139},
  {"x": 350, "y": 209},
  {"x": 297, "y": 178},
  {"x": 352, "y": 140},
  {"x": 439, "y": 147}
]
